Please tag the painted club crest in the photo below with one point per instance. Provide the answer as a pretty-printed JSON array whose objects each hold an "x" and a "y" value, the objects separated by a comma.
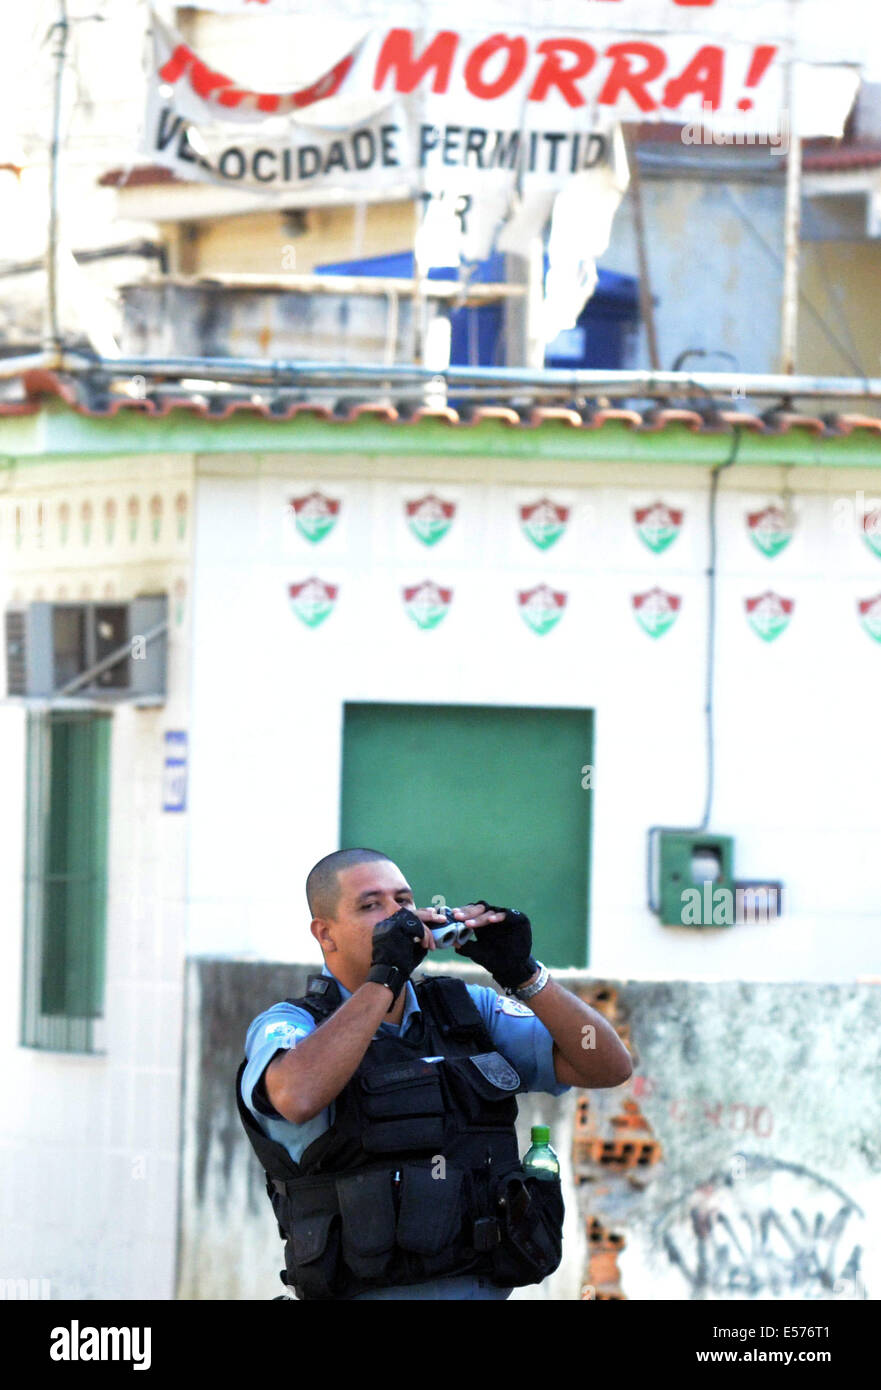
[
  {"x": 544, "y": 522},
  {"x": 656, "y": 611},
  {"x": 427, "y": 603},
  {"x": 312, "y": 600},
  {"x": 769, "y": 614},
  {"x": 870, "y": 615},
  {"x": 872, "y": 530},
  {"x": 315, "y": 515},
  {"x": 658, "y": 525},
  {"x": 429, "y": 518},
  {"x": 771, "y": 530},
  {"x": 541, "y": 608}
]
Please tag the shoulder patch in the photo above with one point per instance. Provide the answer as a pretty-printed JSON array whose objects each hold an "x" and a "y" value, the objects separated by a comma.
[
  {"x": 506, "y": 1005},
  {"x": 285, "y": 1034}
]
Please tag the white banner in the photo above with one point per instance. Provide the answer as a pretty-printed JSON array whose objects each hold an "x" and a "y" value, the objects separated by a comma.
[
  {"x": 820, "y": 31},
  {"x": 470, "y": 94},
  {"x": 493, "y": 165},
  {"x": 545, "y": 80}
]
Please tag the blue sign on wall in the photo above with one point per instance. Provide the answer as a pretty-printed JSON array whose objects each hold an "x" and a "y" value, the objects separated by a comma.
[{"x": 174, "y": 776}]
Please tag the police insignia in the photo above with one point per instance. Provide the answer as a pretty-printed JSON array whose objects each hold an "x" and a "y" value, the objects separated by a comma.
[
  {"x": 284, "y": 1033},
  {"x": 495, "y": 1069},
  {"x": 506, "y": 1005}
]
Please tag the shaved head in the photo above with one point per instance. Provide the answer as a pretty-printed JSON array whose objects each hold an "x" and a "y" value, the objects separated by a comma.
[
  {"x": 323, "y": 883},
  {"x": 350, "y": 892}
]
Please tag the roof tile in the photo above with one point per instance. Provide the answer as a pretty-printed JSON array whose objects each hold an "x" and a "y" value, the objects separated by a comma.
[{"x": 94, "y": 397}]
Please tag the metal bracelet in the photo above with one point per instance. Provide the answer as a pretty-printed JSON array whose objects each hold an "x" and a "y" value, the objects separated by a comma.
[{"x": 529, "y": 990}]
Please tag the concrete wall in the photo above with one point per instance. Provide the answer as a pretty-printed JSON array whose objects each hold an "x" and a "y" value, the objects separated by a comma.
[
  {"x": 793, "y": 717},
  {"x": 761, "y": 1100},
  {"x": 740, "y": 1161},
  {"x": 101, "y": 1130},
  {"x": 265, "y": 243},
  {"x": 839, "y": 279},
  {"x": 212, "y": 321}
]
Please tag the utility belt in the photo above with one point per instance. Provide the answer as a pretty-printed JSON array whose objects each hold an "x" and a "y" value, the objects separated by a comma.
[{"x": 414, "y": 1221}]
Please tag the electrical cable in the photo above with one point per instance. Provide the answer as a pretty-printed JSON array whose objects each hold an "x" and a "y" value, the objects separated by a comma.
[
  {"x": 711, "y": 621},
  {"x": 704, "y": 352},
  {"x": 654, "y": 830}
]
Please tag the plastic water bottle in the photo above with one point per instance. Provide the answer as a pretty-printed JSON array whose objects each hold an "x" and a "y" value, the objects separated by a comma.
[{"x": 541, "y": 1161}]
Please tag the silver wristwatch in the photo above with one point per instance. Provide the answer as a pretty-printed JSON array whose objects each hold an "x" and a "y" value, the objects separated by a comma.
[{"x": 529, "y": 990}]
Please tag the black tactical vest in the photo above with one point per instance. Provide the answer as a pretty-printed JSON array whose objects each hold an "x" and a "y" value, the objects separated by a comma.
[{"x": 419, "y": 1176}]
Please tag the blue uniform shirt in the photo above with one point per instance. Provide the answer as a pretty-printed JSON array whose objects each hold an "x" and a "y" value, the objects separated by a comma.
[{"x": 515, "y": 1030}]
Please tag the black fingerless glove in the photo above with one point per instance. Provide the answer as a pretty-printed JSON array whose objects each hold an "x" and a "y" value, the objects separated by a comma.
[
  {"x": 503, "y": 948},
  {"x": 397, "y": 950}
]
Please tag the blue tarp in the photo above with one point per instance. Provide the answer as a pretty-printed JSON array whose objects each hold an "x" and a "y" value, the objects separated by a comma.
[{"x": 598, "y": 341}]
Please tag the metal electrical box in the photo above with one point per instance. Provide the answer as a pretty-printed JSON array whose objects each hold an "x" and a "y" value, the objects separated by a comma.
[{"x": 692, "y": 868}]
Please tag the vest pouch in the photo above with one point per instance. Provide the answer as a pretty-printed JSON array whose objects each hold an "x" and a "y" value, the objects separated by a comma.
[
  {"x": 484, "y": 1087},
  {"x": 530, "y": 1212},
  {"x": 430, "y": 1215},
  {"x": 367, "y": 1208},
  {"x": 313, "y": 1255},
  {"x": 402, "y": 1108}
]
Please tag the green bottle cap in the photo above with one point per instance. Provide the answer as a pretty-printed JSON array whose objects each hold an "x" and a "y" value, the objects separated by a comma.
[{"x": 541, "y": 1134}]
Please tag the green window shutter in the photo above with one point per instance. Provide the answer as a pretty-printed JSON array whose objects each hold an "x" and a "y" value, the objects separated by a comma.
[
  {"x": 68, "y": 770},
  {"x": 478, "y": 799}
]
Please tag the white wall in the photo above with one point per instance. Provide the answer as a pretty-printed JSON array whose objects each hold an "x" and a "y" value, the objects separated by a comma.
[
  {"x": 101, "y": 1130},
  {"x": 794, "y": 718}
]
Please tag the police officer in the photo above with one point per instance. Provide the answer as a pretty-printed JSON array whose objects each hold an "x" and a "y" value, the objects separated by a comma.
[{"x": 383, "y": 1113}]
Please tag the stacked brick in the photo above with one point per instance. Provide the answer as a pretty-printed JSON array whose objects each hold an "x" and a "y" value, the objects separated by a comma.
[
  {"x": 604, "y": 1277},
  {"x": 632, "y": 1144},
  {"x": 628, "y": 1142},
  {"x": 623, "y": 1145}
]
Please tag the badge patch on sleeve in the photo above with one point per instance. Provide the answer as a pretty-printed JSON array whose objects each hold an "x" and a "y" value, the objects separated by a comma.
[
  {"x": 285, "y": 1034},
  {"x": 506, "y": 1005}
]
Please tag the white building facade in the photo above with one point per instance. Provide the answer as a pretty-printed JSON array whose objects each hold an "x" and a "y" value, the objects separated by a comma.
[{"x": 483, "y": 650}]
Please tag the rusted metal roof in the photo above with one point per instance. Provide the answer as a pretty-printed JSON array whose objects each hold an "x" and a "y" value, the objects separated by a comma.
[
  {"x": 26, "y": 394},
  {"x": 140, "y": 176},
  {"x": 844, "y": 157}
]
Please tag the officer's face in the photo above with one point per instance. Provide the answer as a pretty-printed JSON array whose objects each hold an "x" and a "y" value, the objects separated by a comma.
[{"x": 368, "y": 894}]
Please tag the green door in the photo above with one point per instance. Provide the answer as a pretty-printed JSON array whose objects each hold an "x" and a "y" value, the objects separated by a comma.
[{"x": 478, "y": 801}]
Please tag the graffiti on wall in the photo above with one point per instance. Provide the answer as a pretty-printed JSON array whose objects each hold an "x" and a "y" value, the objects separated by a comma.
[{"x": 765, "y": 1229}]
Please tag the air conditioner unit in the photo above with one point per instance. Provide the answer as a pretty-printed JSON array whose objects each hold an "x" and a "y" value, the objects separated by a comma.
[{"x": 48, "y": 645}]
